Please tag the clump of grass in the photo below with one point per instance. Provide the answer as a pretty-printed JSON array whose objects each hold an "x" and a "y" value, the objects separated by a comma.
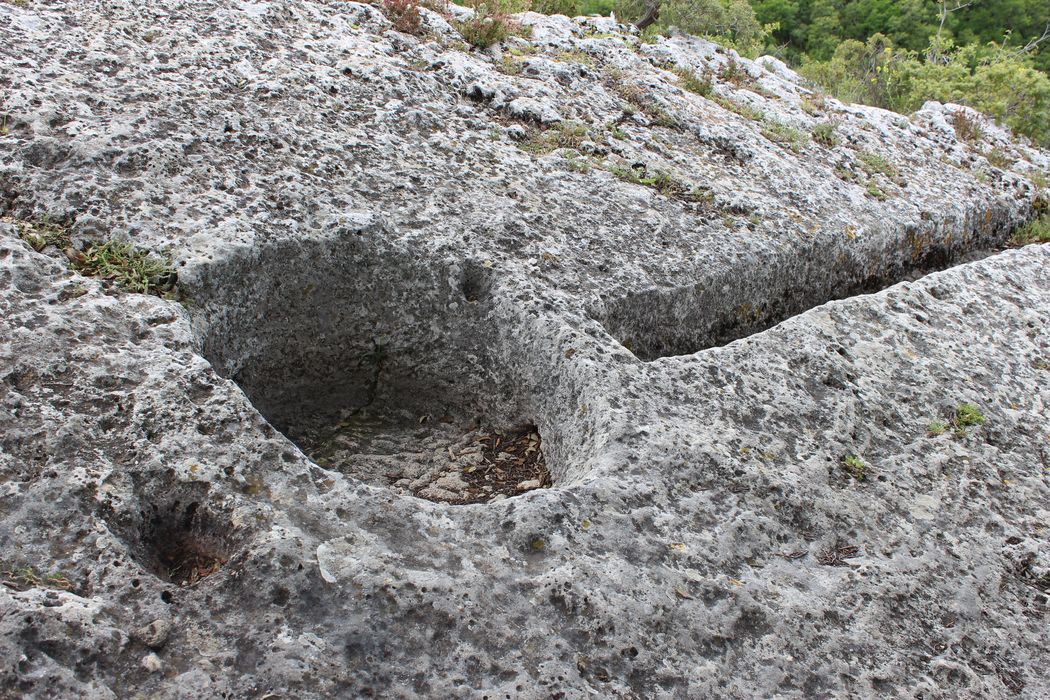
[
  {"x": 575, "y": 57},
  {"x": 576, "y": 163},
  {"x": 735, "y": 73},
  {"x": 745, "y": 111},
  {"x": 128, "y": 267},
  {"x": 824, "y": 134},
  {"x": 1035, "y": 231},
  {"x": 966, "y": 127},
  {"x": 814, "y": 105},
  {"x": 663, "y": 182},
  {"x": 855, "y": 467},
  {"x": 785, "y": 135},
  {"x": 41, "y": 233},
  {"x": 567, "y": 134},
  {"x": 523, "y": 50},
  {"x": 490, "y": 25},
  {"x": 966, "y": 415},
  {"x": 637, "y": 97},
  {"x": 873, "y": 191},
  {"x": 998, "y": 158},
  {"x": 509, "y": 65},
  {"x": 936, "y": 428},
  {"x": 659, "y": 180},
  {"x": 873, "y": 163},
  {"x": 699, "y": 84},
  {"x": 22, "y": 578},
  {"x": 845, "y": 175}
]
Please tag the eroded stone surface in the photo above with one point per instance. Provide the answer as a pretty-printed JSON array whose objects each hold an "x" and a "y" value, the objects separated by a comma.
[{"x": 355, "y": 225}]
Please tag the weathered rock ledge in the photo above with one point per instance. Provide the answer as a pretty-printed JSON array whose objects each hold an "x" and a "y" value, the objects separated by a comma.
[{"x": 424, "y": 248}]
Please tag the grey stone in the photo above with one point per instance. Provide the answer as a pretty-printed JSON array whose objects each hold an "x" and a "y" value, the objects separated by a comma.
[
  {"x": 360, "y": 251},
  {"x": 155, "y": 634}
]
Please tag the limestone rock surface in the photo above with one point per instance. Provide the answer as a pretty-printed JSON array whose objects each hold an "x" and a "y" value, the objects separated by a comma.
[{"x": 791, "y": 392}]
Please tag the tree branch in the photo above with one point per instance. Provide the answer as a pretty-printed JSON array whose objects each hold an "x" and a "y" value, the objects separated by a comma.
[
  {"x": 1033, "y": 43},
  {"x": 652, "y": 13}
]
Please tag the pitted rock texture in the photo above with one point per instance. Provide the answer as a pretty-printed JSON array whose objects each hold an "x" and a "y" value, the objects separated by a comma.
[{"x": 369, "y": 224}]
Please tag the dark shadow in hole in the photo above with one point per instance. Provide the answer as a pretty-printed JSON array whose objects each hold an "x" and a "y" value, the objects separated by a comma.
[{"x": 182, "y": 542}]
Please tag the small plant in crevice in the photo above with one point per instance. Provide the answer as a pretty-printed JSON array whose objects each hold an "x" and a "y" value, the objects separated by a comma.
[
  {"x": 637, "y": 98},
  {"x": 41, "y": 233},
  {"x": 855, "y": 467},
  {"x": 966, "y": 127},
  {"x": 127, "y": 266},
  {"x": 745, "y": 111},
  {"x": 404, "y": 15},
  {"x": 998, "y": 158},
  {"x": 872, "y": 190},
  {"x": 577, "y": 163},
  {"x": 575, "y": 57},
  {"x": 787, "y": 136},
  {"x": 814, "y": 104},
  {"x": 659, "y": 180},
  {"x": 509, "y": 65},
  {"x": 664, "y": 183},
  {"x": 1035, "y": 231},
  {"x": 966, "y": 415},
  {"x": 490, "y": 25},
  {"x": 566, "y": 134},
  {"x": 845, "y": 174},
  {"x": 873, "y": 163},
  {"x": 698, "y": 84},
  {"x": 824, "y": 134},
  {"x": 616, "y": 132},
  {"x": 22, "y": 578},
  {"x": 936, "y": 428},
  {"x": 521, "y": 49},
  {"x": 735, "y": 73}
]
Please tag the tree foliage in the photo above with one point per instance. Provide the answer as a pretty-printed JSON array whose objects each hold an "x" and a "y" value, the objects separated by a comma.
[{"x": 732, "y": 22}]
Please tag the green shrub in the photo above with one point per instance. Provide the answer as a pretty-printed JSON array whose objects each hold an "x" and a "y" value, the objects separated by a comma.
[
  {"x": 490, "y": 24},
  {"x": 1035, "y": 231},
  {"x": 873, "y": 163},
  {"x": 700, "y": 84},
  {"x": 785, "y": 135},
  {"x": 824, "y": 134},
  {"x": 729, "y": 22},
  {"x": 855, "y": 467},
  {"x": 1002, "y": 85}
]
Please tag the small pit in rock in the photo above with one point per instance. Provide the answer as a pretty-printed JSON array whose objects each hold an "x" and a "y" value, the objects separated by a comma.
[
  {"x": 183, "y": 544},
  {"x": 380, "y": 365}
]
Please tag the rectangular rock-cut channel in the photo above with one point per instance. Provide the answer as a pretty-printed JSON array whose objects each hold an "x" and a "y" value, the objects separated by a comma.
[{"x": 741, "y": 299}]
